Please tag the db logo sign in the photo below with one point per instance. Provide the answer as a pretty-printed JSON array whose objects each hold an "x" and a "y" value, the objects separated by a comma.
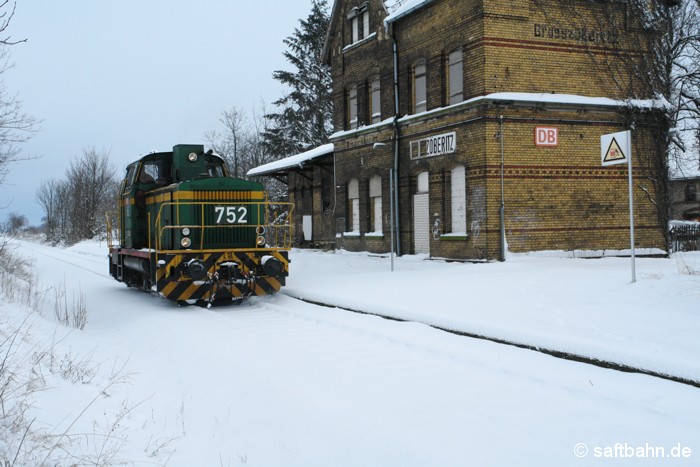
[{"x": 545, "y": 136}]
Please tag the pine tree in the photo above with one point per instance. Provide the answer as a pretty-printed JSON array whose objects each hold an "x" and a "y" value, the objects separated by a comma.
[{"x": 303, "y": 119}]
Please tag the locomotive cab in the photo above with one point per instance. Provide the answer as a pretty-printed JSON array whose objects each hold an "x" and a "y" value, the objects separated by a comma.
[
  {"x": 191, "y": 233},
  {"x": 152, "y": 173}
]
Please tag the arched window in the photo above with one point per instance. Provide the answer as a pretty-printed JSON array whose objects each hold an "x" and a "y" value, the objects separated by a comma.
[
  {"x": 375, "y": 203},
  {"x": 423, "y": 182},
  {"x": 420, "y": 97},
  {"x": 353, "y": 206},
  {"x": 459, "y": 200}
]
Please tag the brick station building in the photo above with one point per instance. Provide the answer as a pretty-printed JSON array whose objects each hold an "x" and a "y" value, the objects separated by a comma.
[{"x": 469, "y": 127}]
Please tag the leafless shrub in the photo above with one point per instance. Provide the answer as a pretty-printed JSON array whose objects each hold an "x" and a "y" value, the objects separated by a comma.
[
  {"x": 73, "y": 314},
  {"x": 688, "y": 263}
]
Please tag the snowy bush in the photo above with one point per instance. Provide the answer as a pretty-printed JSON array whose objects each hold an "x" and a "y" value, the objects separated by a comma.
[{"x": 688, "y": 263}]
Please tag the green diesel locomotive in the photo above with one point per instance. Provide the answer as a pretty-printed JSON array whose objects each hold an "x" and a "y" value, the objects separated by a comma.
[{"x": 194, "y": 235}]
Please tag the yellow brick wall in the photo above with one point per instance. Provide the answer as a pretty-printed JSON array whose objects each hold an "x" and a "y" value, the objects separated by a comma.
[{"x": 555, "y": 198}]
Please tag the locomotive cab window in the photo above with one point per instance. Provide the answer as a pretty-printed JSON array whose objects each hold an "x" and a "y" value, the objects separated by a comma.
[
  {"x": 130, "y": 175},
  {"x": 158, "y": 171},
  {"x": 215, "y": 166}
]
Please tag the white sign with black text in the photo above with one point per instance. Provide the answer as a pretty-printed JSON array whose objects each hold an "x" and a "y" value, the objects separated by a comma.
[{"x": 437, "y": 145}]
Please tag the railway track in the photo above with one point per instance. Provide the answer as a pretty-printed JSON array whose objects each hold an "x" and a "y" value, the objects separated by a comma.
[{"x": 607, "y": 364}]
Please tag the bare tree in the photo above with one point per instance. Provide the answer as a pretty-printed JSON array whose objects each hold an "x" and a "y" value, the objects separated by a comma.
[
  {"x": 15, "y": 126},
  {"x": 47, "y": 196},
  {"x": 91, "y": 182},
  {"x": 74, "y": 208},
  {"x": 241, "y": 144},
  {"x": 16, "y": 223},
  {"x": 229, "y": 142}
]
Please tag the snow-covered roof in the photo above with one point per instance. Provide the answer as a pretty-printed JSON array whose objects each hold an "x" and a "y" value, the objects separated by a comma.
[
  {"x": 402, "y": 8},
  {"x": 292, "y": 161},
  {"x": 571, "y": 99},
  {"x": 522, "y": 97}
]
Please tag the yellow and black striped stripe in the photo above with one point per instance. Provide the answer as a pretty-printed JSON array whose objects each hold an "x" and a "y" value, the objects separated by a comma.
[{"x": 173, "y": 283}]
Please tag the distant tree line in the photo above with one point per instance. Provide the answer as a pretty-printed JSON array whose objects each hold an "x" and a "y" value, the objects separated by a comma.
[{"x": 75, "y": 206}]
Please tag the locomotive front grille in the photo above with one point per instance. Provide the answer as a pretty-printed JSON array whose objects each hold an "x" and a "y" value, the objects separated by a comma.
[
  {"x": 220, "y": 220},
  {"x": 228, "y": 219}
]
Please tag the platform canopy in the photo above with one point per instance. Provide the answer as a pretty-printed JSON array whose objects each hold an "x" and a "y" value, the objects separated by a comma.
[{"x": 297, "y": 162}]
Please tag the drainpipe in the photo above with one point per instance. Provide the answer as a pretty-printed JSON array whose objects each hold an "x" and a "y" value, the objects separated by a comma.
[
  {"x": 397, "y": 139},
  {"x": 503, "y": 205}
]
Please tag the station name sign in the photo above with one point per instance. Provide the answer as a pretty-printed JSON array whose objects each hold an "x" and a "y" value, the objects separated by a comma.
[
  {"x": 437, "y": 145},
  {"x": 582, "y": 34}
]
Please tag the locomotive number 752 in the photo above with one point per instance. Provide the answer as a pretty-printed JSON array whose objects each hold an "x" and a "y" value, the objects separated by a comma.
[{"x": 231, "y": 214}]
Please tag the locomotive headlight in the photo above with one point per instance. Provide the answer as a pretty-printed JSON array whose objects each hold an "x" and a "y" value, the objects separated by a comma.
[
  {"x": 185, "y": 231},
  {"x": 185, "y": 242},
  {"x": 260, "y": 241},
  {"x": 192, "y": 157},
  {"x": 260, "y": 230}
]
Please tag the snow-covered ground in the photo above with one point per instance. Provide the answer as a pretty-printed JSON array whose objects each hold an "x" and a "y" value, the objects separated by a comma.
[{"x": 280, "y": 382}]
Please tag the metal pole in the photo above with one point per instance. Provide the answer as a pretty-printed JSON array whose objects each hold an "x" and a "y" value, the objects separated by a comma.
[
  {"x": 631, "y": 196},
  {"x": 391, "y": 214},
  {"x": 502, "y": 210}
]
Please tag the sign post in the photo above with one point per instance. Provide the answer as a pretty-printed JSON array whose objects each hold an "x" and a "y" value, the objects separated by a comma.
[{"x": 616, "y": 148}]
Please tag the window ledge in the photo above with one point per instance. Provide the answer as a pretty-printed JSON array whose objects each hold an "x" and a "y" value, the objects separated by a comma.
[
  {"x": 360, "y": 42},
  {"x": 374, "y": 235},
  {"x": 353, "y": 234},
  {"x": 457, "y": 236}
]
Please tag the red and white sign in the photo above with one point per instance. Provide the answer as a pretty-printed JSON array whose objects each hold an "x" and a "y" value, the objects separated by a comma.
[{"x": 546, "y": 136}]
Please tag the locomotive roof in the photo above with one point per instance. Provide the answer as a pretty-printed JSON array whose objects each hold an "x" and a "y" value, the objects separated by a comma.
[{"x": 153, "y": 154}]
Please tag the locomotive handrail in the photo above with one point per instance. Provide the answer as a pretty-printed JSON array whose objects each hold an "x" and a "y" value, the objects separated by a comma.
[{"x": 278, "y": 232}]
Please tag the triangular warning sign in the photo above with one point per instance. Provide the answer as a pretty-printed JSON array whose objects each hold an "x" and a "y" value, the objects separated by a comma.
[{"x": 614, "y": 153}]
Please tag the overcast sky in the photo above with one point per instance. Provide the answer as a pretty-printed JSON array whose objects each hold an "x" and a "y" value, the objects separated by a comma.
[{"x": 132, "y": 76}]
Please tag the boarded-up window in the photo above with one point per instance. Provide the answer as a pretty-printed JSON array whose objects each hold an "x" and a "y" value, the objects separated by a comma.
[
  {"x": 375, "y": 101},
  {"x": 352, "y": 107},
  {"x": 375, "y": 196},
  {"x": 459, "y": 200},
  {"x": 353, "y": 215},
  {"x": 423, "y": 181}
]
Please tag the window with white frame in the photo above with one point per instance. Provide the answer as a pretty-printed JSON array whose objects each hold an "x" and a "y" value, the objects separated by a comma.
[
  {"x": 459, "y": 200},
  {"x": 375, "y": 203},
  {"x": 455, "y": 77},
  {"x": 375, "y": 110},
  {"x": 359, "y": 22},
  {"x": 365, "y": 22},
  {"x": 352, "y": 108},
  {"x": 353, "y": 206},
  {"x": 355, "y": 25},
  {"x": 420, "y": 100}
]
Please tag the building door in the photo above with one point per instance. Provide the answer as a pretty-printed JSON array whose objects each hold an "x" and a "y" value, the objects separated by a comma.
[{"x": 421, "y": 216}]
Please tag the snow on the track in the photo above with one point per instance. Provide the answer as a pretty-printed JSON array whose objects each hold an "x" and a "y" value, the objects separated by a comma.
[
  {"x": 587, "y": 307},
  {"x": 278, "y": 382}
]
